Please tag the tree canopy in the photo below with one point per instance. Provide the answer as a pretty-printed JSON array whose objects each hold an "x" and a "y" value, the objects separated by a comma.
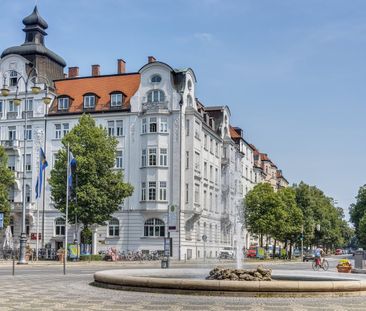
[
  {"x": 100, "y": 189},
  {"x": 6, "y": 181},
  {"x": 358, "y": 215}
]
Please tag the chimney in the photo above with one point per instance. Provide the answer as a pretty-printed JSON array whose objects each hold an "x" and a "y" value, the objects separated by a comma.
[
  {"x": 121, "y": 66},
  {"x": 95, "y": 70},
  {"x": 151, "y": 59},
  {"x": 73, "y": 72}
]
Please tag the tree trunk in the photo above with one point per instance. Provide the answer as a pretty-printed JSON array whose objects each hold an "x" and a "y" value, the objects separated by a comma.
[
  {"x": 261, "y": 240},
  {"x": 274, "y": 249},
  {"x": 290, "y": 252}
]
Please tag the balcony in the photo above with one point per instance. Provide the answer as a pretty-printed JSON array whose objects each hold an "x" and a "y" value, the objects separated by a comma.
[
  {"x": 154, "y": 106},
  {"x": 29, "y": 114},
  {"x": 12, "y": 115},
  {"x": 224, "y": 161},
  {"x": 10, "y": 144},
  {"x": 192, "y": 216}
]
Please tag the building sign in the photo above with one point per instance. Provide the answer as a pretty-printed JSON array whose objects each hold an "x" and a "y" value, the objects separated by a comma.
[
  {"x": 172, "y": 218},
  {"x": 34, "y": 236},
  {"x": 1, "y": 220}
]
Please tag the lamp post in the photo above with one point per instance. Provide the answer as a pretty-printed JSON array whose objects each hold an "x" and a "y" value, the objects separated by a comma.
[{"x": 31, "y": 77}]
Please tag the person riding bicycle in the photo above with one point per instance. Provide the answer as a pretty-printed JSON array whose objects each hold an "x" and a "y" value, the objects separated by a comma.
[{"x": 319, "y": 254}]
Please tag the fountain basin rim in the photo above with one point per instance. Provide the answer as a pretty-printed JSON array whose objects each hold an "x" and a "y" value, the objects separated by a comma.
[{"x": 113, "y": 279}]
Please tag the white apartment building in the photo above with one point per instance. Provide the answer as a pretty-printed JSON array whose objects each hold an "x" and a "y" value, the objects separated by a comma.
[{"x": 174, "y": 151}]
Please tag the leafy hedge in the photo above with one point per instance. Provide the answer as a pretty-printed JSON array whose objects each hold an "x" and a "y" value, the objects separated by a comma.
[{"x": 91, "y": 257}]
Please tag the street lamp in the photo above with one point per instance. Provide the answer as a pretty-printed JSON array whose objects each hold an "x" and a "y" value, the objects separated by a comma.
[{"x": 31, "y": 77}]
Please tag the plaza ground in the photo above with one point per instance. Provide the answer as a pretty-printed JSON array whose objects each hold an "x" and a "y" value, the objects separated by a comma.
[{"x": 42, "y": 286}]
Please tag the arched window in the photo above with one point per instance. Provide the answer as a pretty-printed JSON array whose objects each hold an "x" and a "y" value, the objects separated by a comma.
[
  {"x": 27, "y": 226},
  {"x": 59, "y": 226},
  {"x": 154, "y": 227},
  {"x": 155, "y": 79},
  {"x": 189, "y": 84},
  {"x": 189, "y": 101},
  {"x": 155, "y": 96},
  {"x": 12, "y": 225},
  {"x": 27, "y": 193},
  {"x": 113, "y": 227}
]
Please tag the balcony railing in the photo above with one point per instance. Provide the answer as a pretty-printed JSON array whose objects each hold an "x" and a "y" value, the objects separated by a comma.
[
  {"x": 10, "y": 144},
  {"x": 154, "y": 106},
  {"x": 29, "y": 114},
  {"x": 12, "y": 115}
]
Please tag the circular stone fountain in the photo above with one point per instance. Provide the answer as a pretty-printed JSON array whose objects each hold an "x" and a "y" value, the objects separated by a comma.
[{"x": 192, "y": 281}]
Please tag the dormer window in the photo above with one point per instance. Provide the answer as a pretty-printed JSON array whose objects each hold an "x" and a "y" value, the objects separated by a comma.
[
  {"x": 116, "y": 99},
  {"x": 89, "y": 101},
  {"x": 63, "y": 103},
  {"x": 155, "y": 79},
  {"x": 155, "y": 96}
]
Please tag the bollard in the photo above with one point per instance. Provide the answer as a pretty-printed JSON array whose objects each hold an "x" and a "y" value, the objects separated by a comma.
[{"x": 13, "y": 272}]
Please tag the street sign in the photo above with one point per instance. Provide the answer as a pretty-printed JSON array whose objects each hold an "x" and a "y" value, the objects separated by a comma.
[
  {"x": 1, "y": 220},
  {"x": 204, "y": 238}
]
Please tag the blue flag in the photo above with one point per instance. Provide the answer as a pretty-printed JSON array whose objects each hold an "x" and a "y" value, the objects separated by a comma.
[
  {"x": 42, "y": 166},
  {"x": 72, "y": 169}
]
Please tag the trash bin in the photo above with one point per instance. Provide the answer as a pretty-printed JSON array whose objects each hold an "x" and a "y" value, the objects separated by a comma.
[
  {"x": 165, "y": 262},
  {"x": 359, "y": 254}
]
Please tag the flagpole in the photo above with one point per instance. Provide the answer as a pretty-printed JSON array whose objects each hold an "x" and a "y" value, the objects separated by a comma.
[
  {"x": 37, "y": 231},
  {"x": 67, "y": 205}
]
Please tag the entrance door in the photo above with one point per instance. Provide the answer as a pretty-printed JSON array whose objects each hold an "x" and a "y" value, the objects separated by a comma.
[{"x": 59, "y": 245}]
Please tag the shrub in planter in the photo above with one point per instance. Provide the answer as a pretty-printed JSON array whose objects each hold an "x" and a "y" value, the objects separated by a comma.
[
  {"x": 344, "y": 266},
  {"x": 91, "y": 257}
]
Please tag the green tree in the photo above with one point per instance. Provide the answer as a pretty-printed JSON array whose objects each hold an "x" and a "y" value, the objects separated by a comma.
[
  {"x": 6, "y": 181},
  {"x": 290, "y": 225},
  {"x": 100, "y": 189},
  {"x": 261, "y": 210},
  {"x": 358, "y": 210}
]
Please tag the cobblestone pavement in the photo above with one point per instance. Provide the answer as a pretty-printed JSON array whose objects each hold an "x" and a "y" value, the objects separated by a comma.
[{"x": 73, "y": 292}]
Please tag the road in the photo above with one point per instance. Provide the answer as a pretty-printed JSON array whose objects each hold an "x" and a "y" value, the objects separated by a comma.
[{"x": 43, "y": 287}]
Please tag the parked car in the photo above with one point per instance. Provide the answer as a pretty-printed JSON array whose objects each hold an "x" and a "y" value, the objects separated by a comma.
[
  {"x": 251, "y": 252},
  {"x": 338, "y": 251},
  {"x": 226, "y": 253},
  {"x": 308, "y": 256},
  {"x": 297, "y": 252}
]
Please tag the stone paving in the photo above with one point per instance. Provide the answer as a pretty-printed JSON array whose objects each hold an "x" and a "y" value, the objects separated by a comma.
[{"x": 73, "y": 292}]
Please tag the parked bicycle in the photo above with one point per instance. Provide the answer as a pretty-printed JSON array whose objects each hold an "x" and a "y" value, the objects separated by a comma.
[{"x": 317, "y": 264}]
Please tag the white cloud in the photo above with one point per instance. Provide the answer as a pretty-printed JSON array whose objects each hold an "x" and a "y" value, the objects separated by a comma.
[{"x": 204, "y": 36}]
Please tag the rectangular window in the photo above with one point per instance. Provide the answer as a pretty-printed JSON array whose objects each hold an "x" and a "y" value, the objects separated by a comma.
[
  {"x": 143, "y": 191},
  {"x": 111, "y": 128},
  {"x": 11, "y": 162},
  {"x": 58, "y": 131},
  {"x": 217, "y": 149},
  {"x": 143, "y": 158},
  {"x": 12, "y": 130},
  {"x": 29, "y": 105},
  {"x": 197, "y": 193},
  {"x": 116, "y": 100},
  {"x": 28, "y": 162},
  {"x": 197, "y": 165},
  {"x": 164, "y": 125},
  {"x": 66, "y": 128},
  {"x": 1, "y": 108},
  {"x": 187, "y": 159},
  {"x": 153, "y": 126},
  {"x": 204, "y": 199},
  {"x": 119, "y": 128},
  {"x": 13, "y": 80},
  {"x": 205, "y": 142},
  {"x": 162, "y": 191},
  {"x": 152, "y": 156},
  {"x": 205, "y": 170},
  {"x": 143, "y": 126},
  {"x": 163, "y": 157},
  {"x": 211, "y": 173},
  {"x": 28, "y": 132},
  {"x": 119, "y": 159},
  {"x": 211, "y": 145},
  {"x": 152, "y": 191},
  {"x": 187, "y": 193},
  {"x": 89, "y": 101},
  {"x": 187, "y": 127},
  {"x": 216, "y": 175},
  {"x": 12, "y": 107},
  {"x": 63, "y": 103},
  {"x": 197, "y": 130},
  {"x": 210, "y": 207}
]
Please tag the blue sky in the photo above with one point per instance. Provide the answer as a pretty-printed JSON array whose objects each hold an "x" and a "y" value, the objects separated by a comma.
[{"x": 293, "y": 72}]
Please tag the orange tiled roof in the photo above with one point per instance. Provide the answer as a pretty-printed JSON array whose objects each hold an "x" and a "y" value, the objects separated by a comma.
[
  {"x": 102, "y": 86},
  {"x": 234, "y": 134}
]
